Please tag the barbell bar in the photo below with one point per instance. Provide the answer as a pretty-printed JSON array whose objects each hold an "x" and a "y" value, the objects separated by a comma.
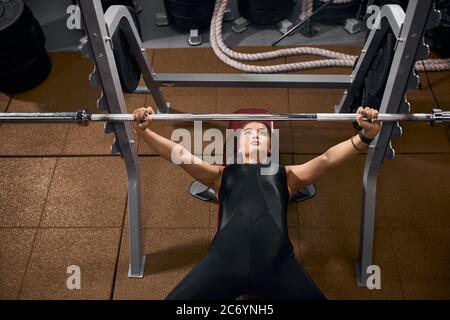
[{"x": 82, "y": 117}]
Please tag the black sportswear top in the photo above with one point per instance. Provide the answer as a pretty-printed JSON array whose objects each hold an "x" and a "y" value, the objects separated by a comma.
[{"x": 245, "y": 190}]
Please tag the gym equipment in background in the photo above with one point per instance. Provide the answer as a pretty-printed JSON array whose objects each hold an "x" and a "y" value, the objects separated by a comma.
[
  {"x": 337, "y": 12},
  {"x": 238, "y": 60},
  {"x": 440, "y": 36},
  {"x": 129, "y": 71},
  {"x": 24, "y": 62},
  {"x": 192, "y": 15},
  {"x": 189, "y": 14},
  {"x": 265, "y": 12},
  {"x": 127, "y": 66}
]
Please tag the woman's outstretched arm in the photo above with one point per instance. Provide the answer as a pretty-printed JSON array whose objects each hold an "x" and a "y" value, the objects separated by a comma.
[
  {"x": 208, "y": 174},
  {"x": 302, "y": 175}
]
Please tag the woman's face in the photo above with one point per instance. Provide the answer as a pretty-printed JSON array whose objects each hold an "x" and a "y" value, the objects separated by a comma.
[{"x": 254, "y": 142}]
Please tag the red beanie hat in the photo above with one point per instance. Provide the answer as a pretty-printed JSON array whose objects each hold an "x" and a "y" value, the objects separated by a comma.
[{"x": 237, "y": 124}]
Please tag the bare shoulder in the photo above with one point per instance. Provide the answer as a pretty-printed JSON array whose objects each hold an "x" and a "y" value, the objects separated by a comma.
[
  {"x": 289, "y": 171},
  {"x": 218, "y": 180},
  {"x": 289, "y": 180}
]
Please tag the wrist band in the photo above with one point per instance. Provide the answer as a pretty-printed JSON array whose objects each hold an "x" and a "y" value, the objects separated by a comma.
[
  {"x": 354, "y": 145},
  {"x": 365, "y": 139}
]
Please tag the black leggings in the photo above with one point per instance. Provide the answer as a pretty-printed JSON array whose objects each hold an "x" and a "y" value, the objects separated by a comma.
[{"x": 212, "y": 279}]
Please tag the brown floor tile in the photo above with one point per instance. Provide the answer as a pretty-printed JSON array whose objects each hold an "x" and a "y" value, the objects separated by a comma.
[
  {"x": 414, "y": 191},
  {"x": 422, "y": 100},
  {"x": 185, "y": 60},
  {"x": 166, "y": 201},
  {"x": 318, "y": 137},
  {"x": 273, "y": 103},
  {"x": 418, "y": 137},
  {"x": 92, "y": 140},
  {"x": 424, "y": 262},
  {"x": 23, "y": 190},
  {"x": 31, "y": 139},
  {"x": 308, "y": 137},
  {"x": 353, "y": 50},
  {"x": 439, "y": 83},
  {"x": 15, "y": 250},
  {"x": 224, "y": 68},
  {"x": 171, "y": 254},
  {"x": 329, "y": 255},
  {"x": 4, "y": 101},
  {"x": 338, "y": 198},
  {"x": 87, "y": 192},
  {"x": 183, "y": 104},
  {"x": 93, "y": 250},
  {"x": 313, "y": 102},
  {"x": 67, "y": 88}
]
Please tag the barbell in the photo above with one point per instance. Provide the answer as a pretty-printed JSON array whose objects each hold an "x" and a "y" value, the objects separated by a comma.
[{"x": 82, "y": 117}]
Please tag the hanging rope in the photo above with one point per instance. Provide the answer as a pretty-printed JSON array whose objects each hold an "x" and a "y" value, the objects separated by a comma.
[{"x": 335, "y": 59}]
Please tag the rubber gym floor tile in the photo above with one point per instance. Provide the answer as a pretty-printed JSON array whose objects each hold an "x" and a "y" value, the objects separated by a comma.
[
  {"x": 86, "y": 192},
  {"x": 329, "y": 255},
  {"x": 4, "y": 101},
  {"x": 166, "y": 201},
  {"x": 185, "y": 60},
  {"x": 67, "y": 88},
  {"x": 16, "y": 244},
  {"x": 31, "y": 139},
  {"x": 183, "y": 104},
  {"x": 418, "y": 137},
  {"x": 338, "y": 198},
  {"x": 424, "y": 262},
  {"x": 273, "y": 103},
  {"x": 414, "y": 191},
  {"x": 313, "y": 137},
  {"x": 439, "y": 83},
  {"x": 421, "y": 99},
  {"x": 224, "y": 68},
  {"x": 94, "y": 251},
  {"x": 92, "y": 140},
  {"x": 317, "y": 137},
  {"x": 353, "y": 50},
  {"x": 23, "y": 190},
  {"x": 170, "y": 255},
  {"x": 313, "y": 102}
]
